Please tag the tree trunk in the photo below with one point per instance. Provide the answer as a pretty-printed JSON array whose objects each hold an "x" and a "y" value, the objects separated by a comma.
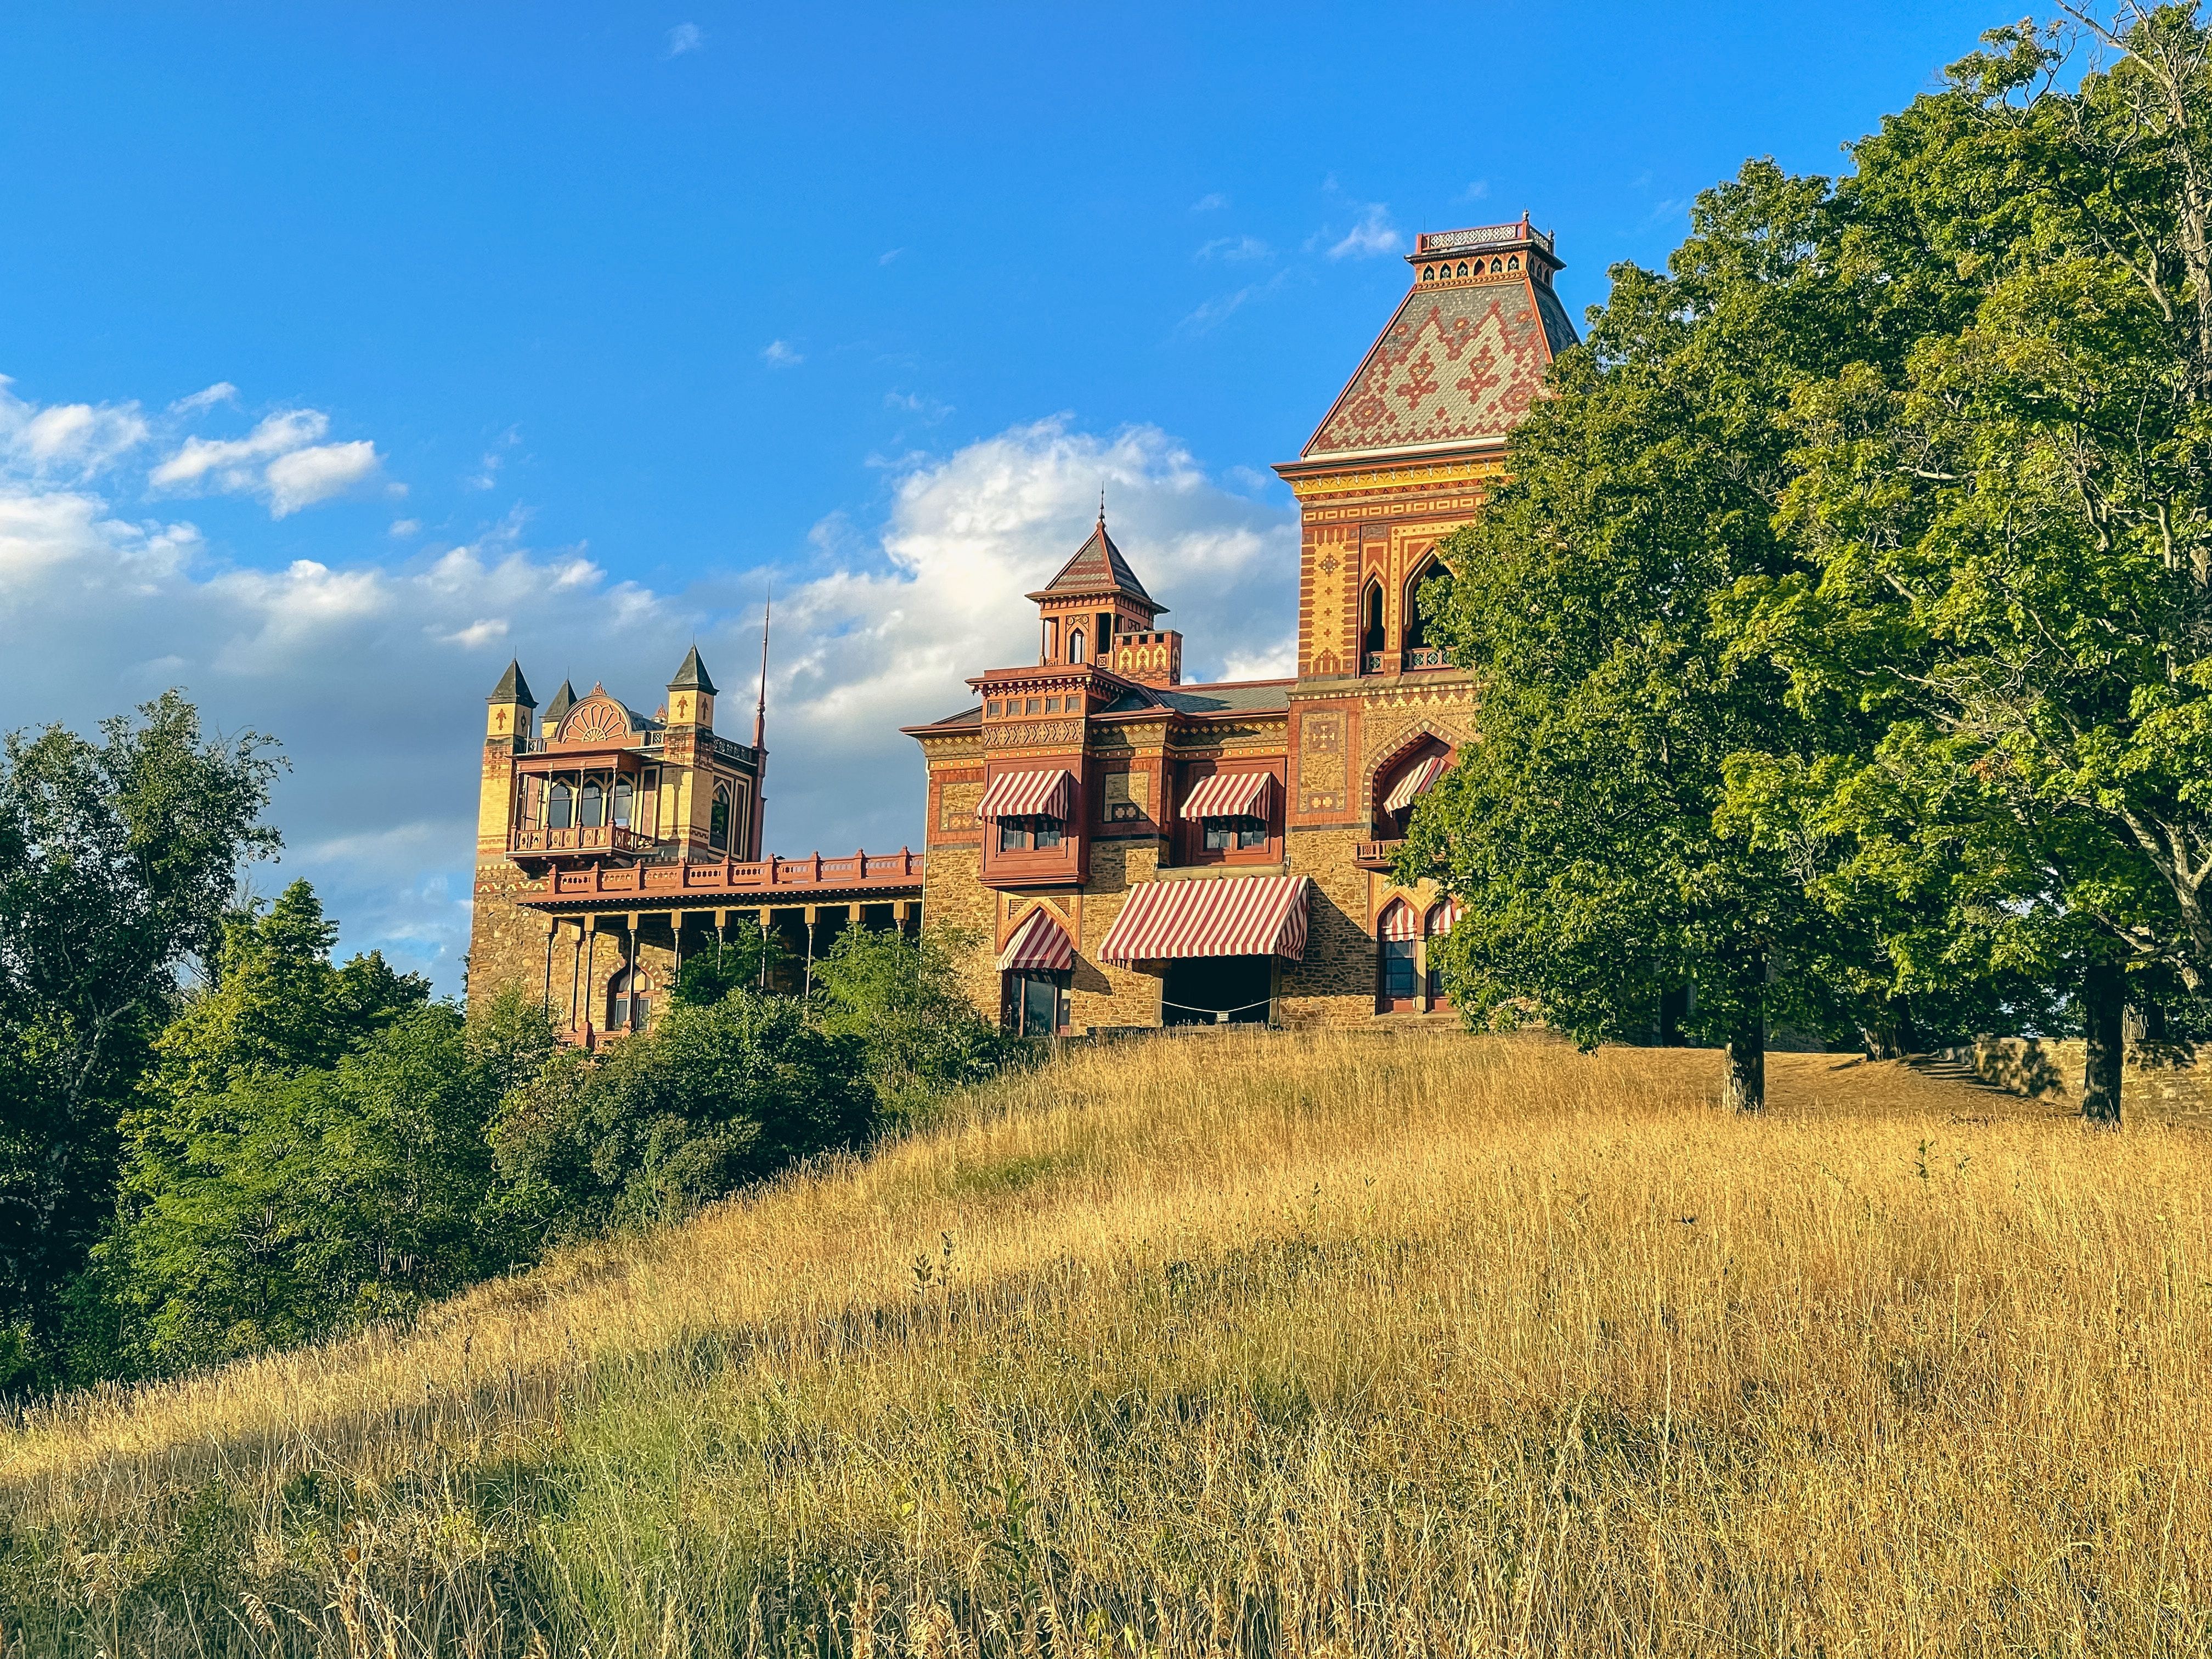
[
  {"x": 2103, "y": 1002},
  {"x": 1746, "y": 1089}
]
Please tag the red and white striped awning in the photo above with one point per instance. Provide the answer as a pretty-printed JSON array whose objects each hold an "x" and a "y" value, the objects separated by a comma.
[
  {"x": 1230, "y": 795},
  {"x": 1398, "y": 922},
  {"x": 1441, "y": 916},
  {"x": 1227, "y": 916},
  {"x": 1040, "y": 942},
  {"x": 1417, "y": 783},
  {"x": 1028, "y": 795}
]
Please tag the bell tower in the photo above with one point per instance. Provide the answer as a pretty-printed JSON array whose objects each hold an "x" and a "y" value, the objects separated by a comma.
[{"x": 1096, "y": 613}]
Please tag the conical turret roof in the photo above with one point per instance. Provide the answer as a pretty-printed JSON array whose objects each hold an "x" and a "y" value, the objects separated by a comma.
[
  {"x": 563, "y": 701},
  {"x": 691, "y": 675},
  {"x": 1096, "y": 567},
  {"x": 511, "y": 687}
]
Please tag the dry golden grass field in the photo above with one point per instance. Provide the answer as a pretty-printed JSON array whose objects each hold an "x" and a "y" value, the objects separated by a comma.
[{"x": 1239, "y": 1344}]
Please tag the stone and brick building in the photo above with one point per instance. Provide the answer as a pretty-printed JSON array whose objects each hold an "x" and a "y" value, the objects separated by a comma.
[{"x": 1107, "y": 845}]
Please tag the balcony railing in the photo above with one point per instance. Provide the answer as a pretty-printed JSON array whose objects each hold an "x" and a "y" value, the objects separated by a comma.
[
  {"x": 862, "y": 872},
  {"x": 1428, "y": 656},
  {"x": 1375, "y": 855},
  {"x": 1370, "y": 662},
  {"x": 1450, "y": 241},
  {"x": 600, "y": 838}
]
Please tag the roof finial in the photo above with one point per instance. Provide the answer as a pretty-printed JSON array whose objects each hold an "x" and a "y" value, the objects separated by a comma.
[
  {"x": 759, "y": 708},
  {"x": 1102, "y": 505}
]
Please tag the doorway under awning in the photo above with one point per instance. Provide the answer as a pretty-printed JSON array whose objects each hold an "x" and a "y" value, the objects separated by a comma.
[{"x": 1228, "y": 916}]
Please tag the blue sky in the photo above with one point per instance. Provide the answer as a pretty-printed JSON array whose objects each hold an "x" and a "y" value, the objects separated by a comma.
[{"x": 352, "y": 348}]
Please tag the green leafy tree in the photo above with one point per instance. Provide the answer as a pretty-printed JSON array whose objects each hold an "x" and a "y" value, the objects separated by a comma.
[
  {"x": 2008, "y": 552},
  {"x": 1581, "y": 831},
  {"x": 711, "y": 1098},
  {"x": 742, "y": 958},
  {"x": 118, "y": 859},
  {"x": 901, "y": 999}
]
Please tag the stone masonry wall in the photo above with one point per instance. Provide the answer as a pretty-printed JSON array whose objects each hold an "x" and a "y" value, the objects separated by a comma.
[{"x": 1334, "y": 985}]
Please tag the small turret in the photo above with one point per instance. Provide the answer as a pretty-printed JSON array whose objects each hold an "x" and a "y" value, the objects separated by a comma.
[
  {"x": 691, "y": 694},
  {"x": 1097, "y": 601},
  {"x": 558, "y": 710},
  {"x": 510, "y": 705}
]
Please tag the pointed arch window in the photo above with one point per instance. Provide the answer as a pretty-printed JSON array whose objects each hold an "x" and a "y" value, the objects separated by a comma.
[
  {"x": 1423, "y": 648},
  {"x": 1075, "y": 644},
  {"x": 560, "y": 807},
  {"x": 1371, "y": 638},
  {"x": 717, "y": 820}
]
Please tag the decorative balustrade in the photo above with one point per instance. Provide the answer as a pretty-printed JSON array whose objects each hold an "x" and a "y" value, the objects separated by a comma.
[
  {"x": 1428, "y": 656},
  {"x": 1450, "y": 241},
  {"x": 599, "y": 838},
  {"x": 861, "y": 872},
  {"x": 1371, "y": 662}
]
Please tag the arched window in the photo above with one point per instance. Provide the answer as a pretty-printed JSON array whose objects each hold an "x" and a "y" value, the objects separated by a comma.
[
  {"x": 622, "y": 792},
  {"x": 1434, "y": 925},
  {"x": 717, "y": 820},
  {"x": 1497, "y": 268},
  {"x": 1423, "y": 650},
  {"x": 1513, "y": 264},
  {"x": 1428, "y": 273},
  {"x": 1397, "y": 936},
  {"x": 560, "y": 807},
  {"x": 592, "y": 805},
  {"x": 629, "y": 1000},
  {"x": 1462, "y": 267},
  {"x": 1371, "y": 637},
  {"x": 1075, "y": 644}
]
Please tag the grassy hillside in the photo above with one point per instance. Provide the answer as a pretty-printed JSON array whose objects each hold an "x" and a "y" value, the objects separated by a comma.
[{"x": 1244, "y": 1343}]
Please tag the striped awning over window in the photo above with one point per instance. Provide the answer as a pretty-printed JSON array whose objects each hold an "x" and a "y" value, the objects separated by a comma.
[
  {"x": 1417, "y": 783},
  {"x": 1233, "y": 916},
  {"x": 1398, "y": 922},
  {"x": 1441, "y": 916},
  {"x": 1230, "y": 795},
  {"x": 1039, "y": 942},
  {"x": 1028, "y": 795}
]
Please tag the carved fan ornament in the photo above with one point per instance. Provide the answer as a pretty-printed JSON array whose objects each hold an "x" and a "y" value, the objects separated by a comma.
[{"x": 596, "y": 720}]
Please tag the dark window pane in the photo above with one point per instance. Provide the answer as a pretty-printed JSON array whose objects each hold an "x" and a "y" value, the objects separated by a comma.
[
  {"x": 1048, "y": 832},
  {"x": 1398, "y": 968}
]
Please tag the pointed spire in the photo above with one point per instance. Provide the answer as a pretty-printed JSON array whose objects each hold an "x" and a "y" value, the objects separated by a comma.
[
  {"x": 691, "y": 675},
  {"x": 563, "y": 701},
  {"x": 1098, "y": 568},
  {"x": 511, "y": 687},
  {"x": 759, "y": 708}
]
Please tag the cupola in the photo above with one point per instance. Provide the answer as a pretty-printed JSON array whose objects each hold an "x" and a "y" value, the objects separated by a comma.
[{"x": 1094, "y": 605}]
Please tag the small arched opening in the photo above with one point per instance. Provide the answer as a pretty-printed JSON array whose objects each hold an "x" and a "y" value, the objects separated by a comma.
[
  {"x": 630, "y": 999},
  {"x": 1428, "y": 592},
  {"x": 717, "y": 820},
  {"x": 1075, "y": 644}
]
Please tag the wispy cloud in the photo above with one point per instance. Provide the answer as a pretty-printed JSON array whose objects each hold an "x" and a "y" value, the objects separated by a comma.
[
  {"x": 66, "y": 440},
  {"x": 1475, "y": 192},
  {"x": 685, "y": 37},
  {"x": 930, "y": 410},
  {"x": 403, "y": 527},
  {"x": 886, "y": 259},
  {"x": 1220, "y": 308},
  {"x": 1211, "y": 202},
  {"x": 223, "y": 391},
  {"x": 1235, "y": 248},
  {"x": 1372, "y": 234},
  {"x": 782, "y": 354}
]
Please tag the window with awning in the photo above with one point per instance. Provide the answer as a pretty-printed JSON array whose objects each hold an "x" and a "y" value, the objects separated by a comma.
[
  {"x": 1230, "y": 795},
  {"x": 1038, "y": 945},
  {"x": 1236, "y": 916},
  {"x": 1048, "y": 793},
  {"x": 1420, "y": 778}
]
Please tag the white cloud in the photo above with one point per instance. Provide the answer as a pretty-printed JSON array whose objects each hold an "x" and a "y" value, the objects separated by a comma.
[
  {"x": 371, "y": 662},
  {"x": 1218, "y": 310},
  {"x": 1372, "y": 234},
  {"x": 316, "y": 473},
  {"x": 223, "y": 391},
  {"x": 780, "y": 354},
  {"x": 685, "y": 37},
  {"x": 280, "y": 461},
  {"x": 930, "y": 410},
  {"x": 1212, "y": 202},
  {"x": 405, "y": 527},
  {"x": 1475, "y": 192},
  {"x": 73, "y": 440},
  {"x": 887, "y": 255}
]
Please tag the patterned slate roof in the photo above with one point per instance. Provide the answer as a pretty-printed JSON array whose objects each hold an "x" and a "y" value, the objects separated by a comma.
[
  {"x": 1230, "y": 697},
  {"x": 1458, "y": 364},
  {"x": 1098, "y": 567}
]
